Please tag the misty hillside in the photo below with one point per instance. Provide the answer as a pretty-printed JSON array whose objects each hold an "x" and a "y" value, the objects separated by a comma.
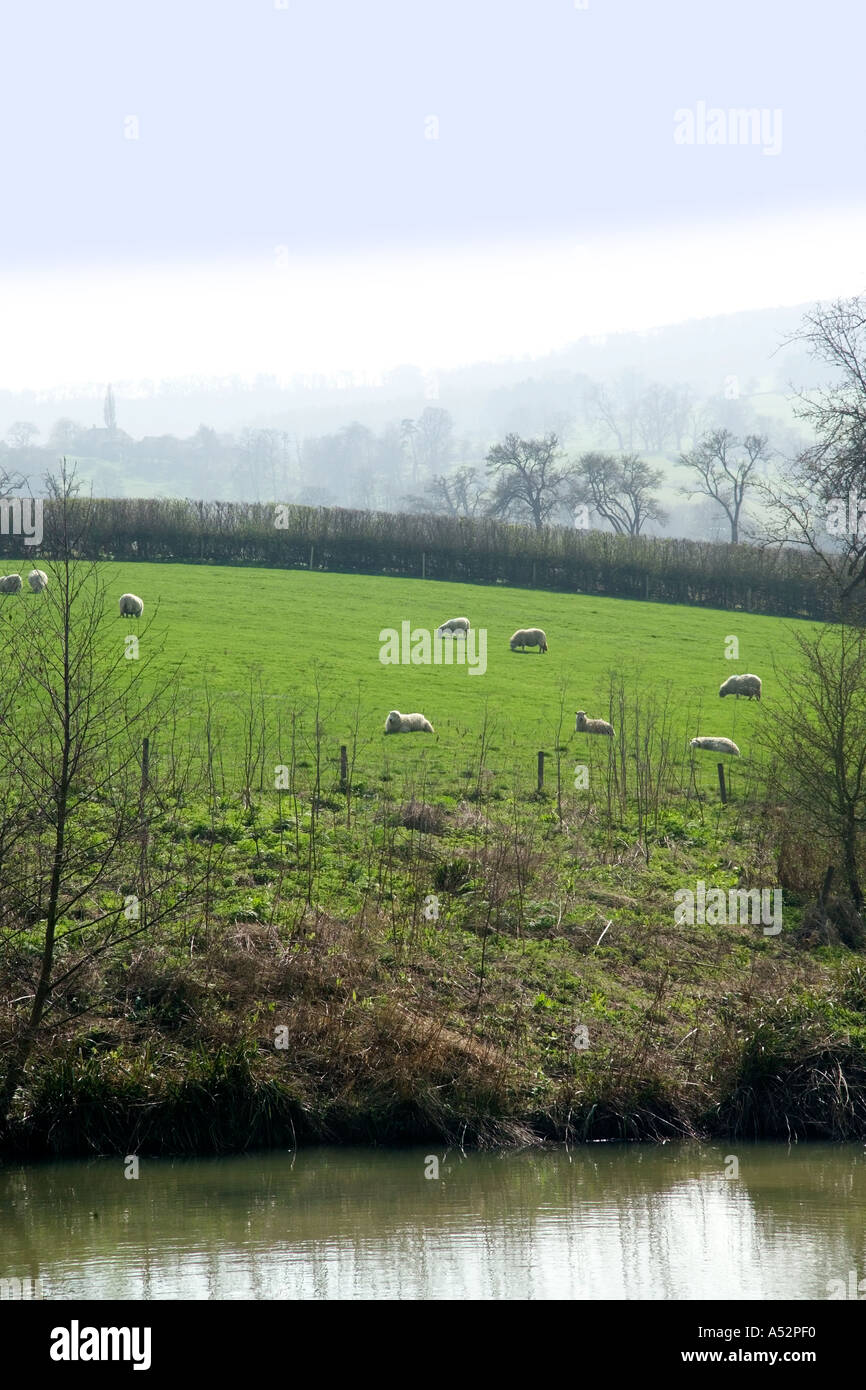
[
  {"x": 381, "y": 446},
  {"x": 703, "y": 353}
]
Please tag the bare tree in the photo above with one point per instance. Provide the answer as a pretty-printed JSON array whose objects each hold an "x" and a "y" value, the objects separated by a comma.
[
  {"x": 662, "y": 416},
  {"x": 433, "y": 438},
  {"x": 22, "y": 433},
  {"x": 681, "y": 409},
  {"x": 64, "y": 436},
  {"x": 264, "y": 464},
  {"x": 617, "y": 409},
  {"x": 817, "y": 734},
  {"x": 75, "y": 796},
  {"x": 529, "y": 480},
  {"x": 620, "y": 490},
  {"x": 408, "y": 431},
  {"x": 820, "y": 503},
  {"x": 725, "y": 470},
  {"x": 462, "y": 492},
  {"x": 631, "y": 413},
  {"x": 9, "y": 482}
]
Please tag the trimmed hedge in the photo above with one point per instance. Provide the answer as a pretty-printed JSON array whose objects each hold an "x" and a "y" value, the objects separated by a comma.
[{"x": 786, "y": 583}]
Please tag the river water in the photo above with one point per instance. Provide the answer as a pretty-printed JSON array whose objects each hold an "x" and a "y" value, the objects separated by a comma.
[{"x": 600, "y": 1221}]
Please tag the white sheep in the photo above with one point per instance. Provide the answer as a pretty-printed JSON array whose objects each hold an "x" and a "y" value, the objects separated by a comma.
[
  {"x": 38, "y": 580},
  {"x": 741, "y": 685},
  {"x": 716, "y": 745},
  {"x": 453, "y": 625},
  {"x": 398, "y": 723},
  {"x": 131, "y": 606},
  {"x": 528, "y": 637},
  {"x": 10, "y": 584},
  {"x": 582, "y": 725}
]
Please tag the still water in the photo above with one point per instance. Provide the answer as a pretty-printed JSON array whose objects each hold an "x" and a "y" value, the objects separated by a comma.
[{"x": 601, "y": 1221}]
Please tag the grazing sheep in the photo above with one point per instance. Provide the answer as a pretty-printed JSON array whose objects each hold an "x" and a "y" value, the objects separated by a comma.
[
  {"x": 453, "y": 625},
  {"x": 10, "y": 584},
  {"x": 716, "y": 745},
  {"x": 582, "y": 725},
  {"x": 741, "y": 685},
  {"x": 130, "y": 606},
  {"x": 528, "y": 637},
  {"x": 38, "y": 580},
  {"x": 398, "y": 723}
]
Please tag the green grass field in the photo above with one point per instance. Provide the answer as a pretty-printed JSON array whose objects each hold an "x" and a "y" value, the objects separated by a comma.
[
  {"x": 551, "y": 912},
  {"x": 227, "y": 625}
]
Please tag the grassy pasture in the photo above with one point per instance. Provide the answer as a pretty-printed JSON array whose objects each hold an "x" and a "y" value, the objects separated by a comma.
[
  {"x": 407, "y": 1026},
  {"x": 227, "y": 626}
]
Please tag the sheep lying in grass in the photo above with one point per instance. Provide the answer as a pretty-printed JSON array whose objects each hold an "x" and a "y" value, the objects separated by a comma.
[
  {"x": 582, "y": 725},
  {"x": 38, "y": 580},
  {"x": 716, "y": 745},
  {"x": 10, "y": 584},
  {"x": 453, "y": 625},
  {"x": 131, "y": 606},
  {"x": 528, "y": 637},
  {"x": 398, "y": 723},
  {"x": 741, "y": 685}
]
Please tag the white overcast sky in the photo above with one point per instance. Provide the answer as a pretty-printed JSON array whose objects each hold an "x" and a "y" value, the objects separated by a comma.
[{"x": 282, "y": 210}]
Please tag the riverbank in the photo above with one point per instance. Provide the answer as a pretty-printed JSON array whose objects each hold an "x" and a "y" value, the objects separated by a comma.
[{"x": 476, "y": 979}]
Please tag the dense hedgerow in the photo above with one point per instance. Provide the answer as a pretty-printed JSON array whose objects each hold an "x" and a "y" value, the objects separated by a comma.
[{"x": 459, "y": 549}]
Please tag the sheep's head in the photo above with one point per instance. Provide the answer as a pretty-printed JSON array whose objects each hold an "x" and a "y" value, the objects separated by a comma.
[
  {"x": 393, "y": 720},
  {"x": 580, "y": 718}
]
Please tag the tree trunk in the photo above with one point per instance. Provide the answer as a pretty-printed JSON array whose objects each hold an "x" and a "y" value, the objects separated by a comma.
[
  {"x": 851, "y": 874},
  {"x": 27, "y": 1038},
  {"x": 29, "y": 1034}
]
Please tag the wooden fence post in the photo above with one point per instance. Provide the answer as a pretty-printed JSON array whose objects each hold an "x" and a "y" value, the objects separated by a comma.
[
  {"x": 344, "y": 768},
  {"x": 540, "y": 771},
  {"x": 722, "y": 787},
  {"x": 311, "y": 557},
  {"x": 423, "y": 565}
]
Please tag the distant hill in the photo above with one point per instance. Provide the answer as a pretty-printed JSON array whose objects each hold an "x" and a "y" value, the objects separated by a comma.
[{"x": 483, "y": 397}]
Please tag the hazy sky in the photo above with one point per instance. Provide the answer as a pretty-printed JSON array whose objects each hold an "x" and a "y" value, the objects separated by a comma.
[{"x": 336, "y": 185}]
